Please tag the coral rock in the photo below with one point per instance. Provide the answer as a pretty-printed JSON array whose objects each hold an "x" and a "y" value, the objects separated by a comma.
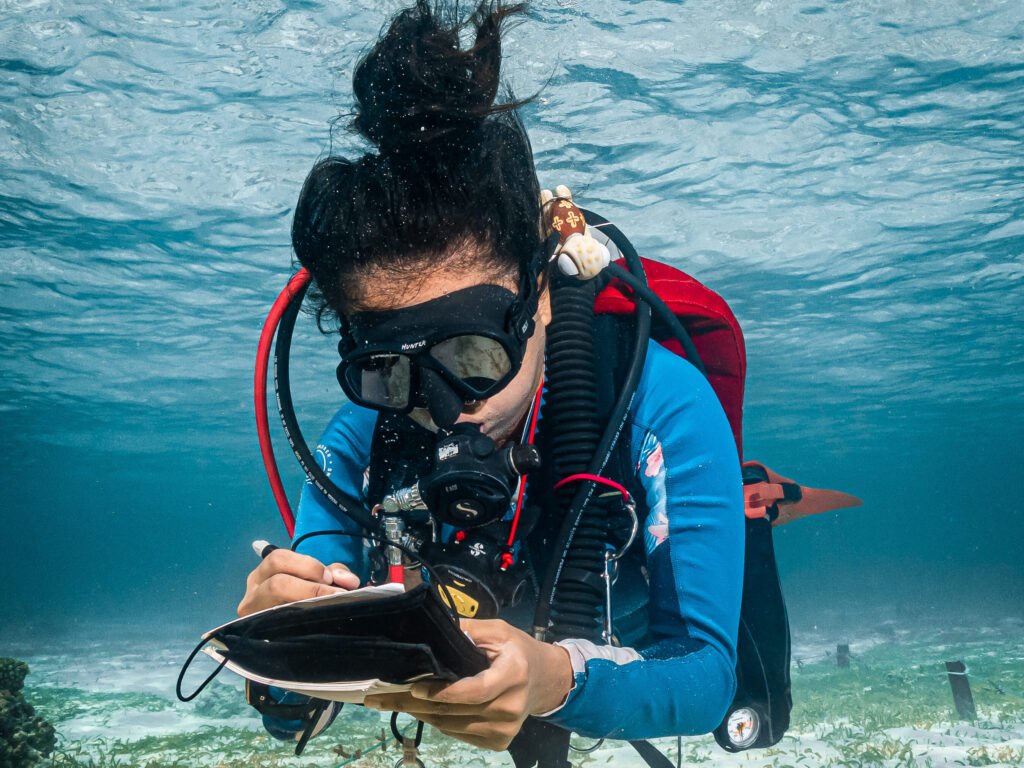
[
  {"x": 12, "y": 675},
  {"x": 25, "y": 739}
]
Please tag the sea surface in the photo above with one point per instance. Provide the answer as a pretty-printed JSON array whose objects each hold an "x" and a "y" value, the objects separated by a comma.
[{"x": 848, "y": 175}]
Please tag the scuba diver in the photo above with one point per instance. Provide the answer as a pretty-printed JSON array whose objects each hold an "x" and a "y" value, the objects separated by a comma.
[{"x": 570, "y": 475}]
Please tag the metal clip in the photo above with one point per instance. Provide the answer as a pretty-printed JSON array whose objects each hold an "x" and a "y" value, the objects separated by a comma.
[
  {"x": 611, "y": 566},
  {"x": 630, "y": 507},
  {"x": 410, "y": 757}
]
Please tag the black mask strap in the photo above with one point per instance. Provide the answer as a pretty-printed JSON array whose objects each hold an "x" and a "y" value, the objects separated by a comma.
[{"x": 520, "y": 314}]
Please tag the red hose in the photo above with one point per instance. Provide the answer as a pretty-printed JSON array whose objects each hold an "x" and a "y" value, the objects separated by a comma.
[
  {"x": 506, "y": 559},
  {"x": 298, "y": 281},
  {"x": 581, "y": 476}
]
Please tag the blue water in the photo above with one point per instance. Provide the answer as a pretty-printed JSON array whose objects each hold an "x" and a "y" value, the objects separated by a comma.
[{"x": 849, "y": 175}]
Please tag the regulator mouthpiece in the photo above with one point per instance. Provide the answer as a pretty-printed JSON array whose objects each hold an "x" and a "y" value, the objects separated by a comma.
[{"x": 473, "y": 480}]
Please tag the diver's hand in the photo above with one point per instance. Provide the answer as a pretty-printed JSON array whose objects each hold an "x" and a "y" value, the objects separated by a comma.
[
  {"x": 526, "y": 677},
  {"x": 285, "y": 576}
]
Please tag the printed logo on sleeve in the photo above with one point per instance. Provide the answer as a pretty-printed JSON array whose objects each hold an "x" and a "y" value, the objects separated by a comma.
[{"x": 325, "y": 458}]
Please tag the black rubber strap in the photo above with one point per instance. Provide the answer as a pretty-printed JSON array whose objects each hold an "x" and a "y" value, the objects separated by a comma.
[
  {"x": 540, "y": 744},
  {"x": 398, "y": 734},
  {"x": 546, "y": 745},
  {"x": 314, "y": 718},
  {"x": 651, "y": 754},
  {"x": 184, "y": 669}
]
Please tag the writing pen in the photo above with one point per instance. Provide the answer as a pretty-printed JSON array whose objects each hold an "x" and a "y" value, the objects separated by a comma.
[{"x": 263, "y": 548}]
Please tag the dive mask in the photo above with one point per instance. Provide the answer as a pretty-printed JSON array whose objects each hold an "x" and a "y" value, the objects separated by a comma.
[{"x": 463, "y": 346}]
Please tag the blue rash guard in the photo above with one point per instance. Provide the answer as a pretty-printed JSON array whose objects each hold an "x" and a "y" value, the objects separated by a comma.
[{"x": 679, "y": 677}]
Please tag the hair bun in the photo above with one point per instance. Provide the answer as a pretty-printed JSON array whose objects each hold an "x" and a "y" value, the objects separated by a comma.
[{"x": 418, "y": 84}]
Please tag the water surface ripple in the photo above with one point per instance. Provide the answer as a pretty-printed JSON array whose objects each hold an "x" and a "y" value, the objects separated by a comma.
[{"x": 849, "y": 175}]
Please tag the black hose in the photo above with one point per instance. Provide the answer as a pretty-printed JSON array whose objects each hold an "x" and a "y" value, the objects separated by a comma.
[
  {"x": 636, "y": 280},
  {"x": 350, "y": 507},
  {"x": 663, "y": 311}
]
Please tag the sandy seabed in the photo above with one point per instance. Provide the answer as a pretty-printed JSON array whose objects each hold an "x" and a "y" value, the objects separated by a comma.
[{"x": 113, "y": 705}]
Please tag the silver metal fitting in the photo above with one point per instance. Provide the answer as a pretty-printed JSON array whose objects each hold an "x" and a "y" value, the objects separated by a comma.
[
  {"x": 394, "y": 530},
  {"x": 403, "y": 500}
]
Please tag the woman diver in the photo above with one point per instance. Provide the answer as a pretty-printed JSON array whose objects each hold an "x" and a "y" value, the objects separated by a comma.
[{"x": 429, "y": 252}]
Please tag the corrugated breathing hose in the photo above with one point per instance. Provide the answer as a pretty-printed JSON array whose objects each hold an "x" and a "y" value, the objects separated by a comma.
[{"x": 575, "y": 433}]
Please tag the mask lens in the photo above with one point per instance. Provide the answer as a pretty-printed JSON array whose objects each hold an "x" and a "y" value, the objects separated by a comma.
[
  {"x": 478, "y": 361},
  {"x": 383, "y": 380}
]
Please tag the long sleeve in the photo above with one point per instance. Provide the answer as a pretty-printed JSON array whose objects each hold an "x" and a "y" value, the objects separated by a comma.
[
  {"x": 683, "y": 679},
  {"x": 343, "y": 453}
]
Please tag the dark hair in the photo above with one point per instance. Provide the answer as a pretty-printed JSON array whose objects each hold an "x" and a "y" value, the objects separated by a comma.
[{"x": 452, "y": 175}]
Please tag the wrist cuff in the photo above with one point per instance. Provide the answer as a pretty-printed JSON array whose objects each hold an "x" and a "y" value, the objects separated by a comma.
[{"x": 580, "y": 652}]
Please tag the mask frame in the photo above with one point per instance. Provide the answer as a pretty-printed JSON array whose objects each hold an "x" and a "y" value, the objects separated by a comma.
[{"x": 413, "y": 334}]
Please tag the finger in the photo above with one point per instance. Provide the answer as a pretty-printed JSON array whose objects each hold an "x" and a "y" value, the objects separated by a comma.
[
  {"x": 427, "y": 690},
  {"x": 285, "y": 561},
  {"x": 483, "y": 735},
  {"x": 417, "y": 707},
  {"x": 478, "y": 689},
  {"x": 487, "y": 630},
  {"x": 282, "y": 588},
  {"x": 343, "y": 576}
]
